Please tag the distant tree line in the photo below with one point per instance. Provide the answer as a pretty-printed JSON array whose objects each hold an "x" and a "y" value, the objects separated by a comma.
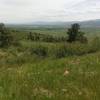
[
  {"x": 43, "y": 37},
  {"x": 74, "y": 34}
]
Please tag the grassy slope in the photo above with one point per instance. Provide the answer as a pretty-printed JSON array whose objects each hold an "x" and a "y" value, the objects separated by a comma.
[
  {"x": 71, "y": 78},
  {"x": 44, "y": 79}
]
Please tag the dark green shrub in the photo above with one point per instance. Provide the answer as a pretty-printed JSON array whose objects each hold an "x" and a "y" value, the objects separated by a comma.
[
  {"x": 95, "y": 45},
  {"x": 5, "y": 36},
  {"x": 60, "y": 51},
  {"x": 74, "y": 34},
  {"x": 40, "y": 50}
]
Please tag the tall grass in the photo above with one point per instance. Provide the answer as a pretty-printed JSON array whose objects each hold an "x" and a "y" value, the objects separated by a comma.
[
  {"x": 34, "y": 51},
  {"x": 60, "y": 50}
]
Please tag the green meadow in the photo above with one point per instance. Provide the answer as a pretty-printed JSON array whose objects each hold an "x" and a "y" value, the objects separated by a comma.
[{"x": 35, "y": 70}]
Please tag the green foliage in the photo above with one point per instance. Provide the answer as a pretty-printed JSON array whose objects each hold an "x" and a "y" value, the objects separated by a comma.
[
  {"x": 47, "y": 80},
  {"x": 95, "y": 44},
  {"x": 44, "y": 38},
  {"x": 75, "y": 35},
  {"x": 31, "y": 70},
  {"x": 59, "y": 50},
  {"x": 73, "y": 32},
  {"x": 5, "y": 36},
  {"x": 82, "y": 38},
  {"x": 40, "y": 50}
]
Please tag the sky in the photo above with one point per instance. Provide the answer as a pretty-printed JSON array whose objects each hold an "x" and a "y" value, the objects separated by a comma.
[{"x": 28, "y": 11}]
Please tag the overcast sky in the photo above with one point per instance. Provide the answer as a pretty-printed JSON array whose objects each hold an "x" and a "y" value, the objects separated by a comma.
[{"x": 24, "y": 11}]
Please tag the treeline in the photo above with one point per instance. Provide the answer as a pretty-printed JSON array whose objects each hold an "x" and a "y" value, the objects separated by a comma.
[
  {"x": 45, "y": 38},
  {"x": 75, "y": 43},
  {"x": 73, "y": 34}
]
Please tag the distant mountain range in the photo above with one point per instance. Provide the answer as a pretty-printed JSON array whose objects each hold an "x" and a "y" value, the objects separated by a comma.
[{"x": 89, "y": 23}]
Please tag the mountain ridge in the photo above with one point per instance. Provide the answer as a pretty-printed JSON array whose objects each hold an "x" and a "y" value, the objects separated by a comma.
[{"x": 88, "y": 23}]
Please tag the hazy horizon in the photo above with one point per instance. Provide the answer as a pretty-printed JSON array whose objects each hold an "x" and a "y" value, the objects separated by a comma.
[{"x": 28, "y": 11}]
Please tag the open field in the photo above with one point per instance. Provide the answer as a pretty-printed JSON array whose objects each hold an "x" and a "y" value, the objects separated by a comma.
[
  {"x": 35, "y": 70},
  {"x": 71, "y": 78}
]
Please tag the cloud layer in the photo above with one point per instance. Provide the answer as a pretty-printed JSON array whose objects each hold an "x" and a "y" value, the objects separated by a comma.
[{"x": 24, "y": 11}]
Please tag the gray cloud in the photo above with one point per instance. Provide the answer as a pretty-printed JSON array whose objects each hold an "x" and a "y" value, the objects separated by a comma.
[{"x": 23, "y": 11}]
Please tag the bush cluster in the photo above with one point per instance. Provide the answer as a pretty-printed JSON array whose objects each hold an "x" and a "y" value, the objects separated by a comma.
[
  {"x": 45, "y": 38},
  {"x": 59, "y": 50}
]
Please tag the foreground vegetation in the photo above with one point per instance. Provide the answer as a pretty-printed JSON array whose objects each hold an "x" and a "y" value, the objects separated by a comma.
[
  {"x": 57, "y": 70},
  {"x": 71, "y": 78}
]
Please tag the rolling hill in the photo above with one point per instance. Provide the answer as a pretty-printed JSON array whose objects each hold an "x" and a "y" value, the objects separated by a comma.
[{"x": 89, "y": 23}]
